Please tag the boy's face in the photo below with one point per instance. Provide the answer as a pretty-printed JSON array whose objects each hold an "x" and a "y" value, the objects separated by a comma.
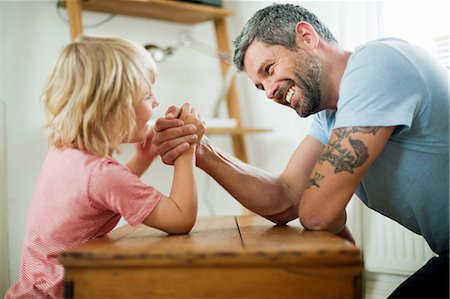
[{"x": 144, "y": 111}]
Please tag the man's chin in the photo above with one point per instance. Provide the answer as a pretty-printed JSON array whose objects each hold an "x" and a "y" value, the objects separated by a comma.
[{"x": 300, "y": 112}]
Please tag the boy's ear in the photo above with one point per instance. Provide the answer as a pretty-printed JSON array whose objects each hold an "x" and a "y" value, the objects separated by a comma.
[{"x": 306, "y": 35}]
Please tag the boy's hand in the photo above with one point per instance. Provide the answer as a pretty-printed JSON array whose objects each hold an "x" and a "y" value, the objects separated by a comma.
[
  {"x": 190, "y": 116},
  {"x": 147, "y": 150}
]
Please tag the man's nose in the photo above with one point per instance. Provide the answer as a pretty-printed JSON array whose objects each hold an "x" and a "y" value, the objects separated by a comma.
[{"x": 271, "y": 90}]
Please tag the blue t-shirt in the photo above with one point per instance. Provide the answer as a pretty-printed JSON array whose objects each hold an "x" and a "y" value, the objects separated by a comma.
[{"x": 389, "y": 82}]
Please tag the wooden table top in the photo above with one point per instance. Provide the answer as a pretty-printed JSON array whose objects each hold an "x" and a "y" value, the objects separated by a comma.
[{"x": 214, "y": 241}]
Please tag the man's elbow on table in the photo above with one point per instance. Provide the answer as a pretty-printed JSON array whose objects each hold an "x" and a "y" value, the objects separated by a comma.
[{"x": 312, "y": 219}]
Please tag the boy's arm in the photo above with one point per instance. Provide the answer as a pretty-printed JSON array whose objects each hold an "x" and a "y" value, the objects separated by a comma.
[
  {"x": 146, "y": 152},
  {"x": 177, "y": 213}
]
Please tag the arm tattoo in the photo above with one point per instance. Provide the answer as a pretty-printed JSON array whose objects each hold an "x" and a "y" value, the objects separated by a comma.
[
  {"x": 314, "y": 180},
  {"x": 341, "y": 158},
  {"x": 345, "y": 159}
]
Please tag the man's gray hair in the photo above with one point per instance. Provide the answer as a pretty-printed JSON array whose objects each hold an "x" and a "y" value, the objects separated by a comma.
[{"x": 275, "y": 25}]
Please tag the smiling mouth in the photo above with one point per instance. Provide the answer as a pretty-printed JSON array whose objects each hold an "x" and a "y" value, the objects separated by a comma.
[{"x": 290, "y": 93}]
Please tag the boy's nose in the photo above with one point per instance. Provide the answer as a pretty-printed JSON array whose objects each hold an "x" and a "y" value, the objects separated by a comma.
[{"x": 155, "y": 103}]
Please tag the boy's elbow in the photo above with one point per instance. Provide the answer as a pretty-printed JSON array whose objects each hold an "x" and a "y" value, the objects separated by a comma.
[{"x": 183, "y": 226}]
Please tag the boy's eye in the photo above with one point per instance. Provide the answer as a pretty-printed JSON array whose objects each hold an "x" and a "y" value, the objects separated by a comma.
[{"x": 268, "y": 68}]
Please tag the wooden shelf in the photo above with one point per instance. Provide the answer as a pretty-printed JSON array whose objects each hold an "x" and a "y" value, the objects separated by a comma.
[
  {"x": 236, "y": 131},
  {"x": 167, "y": 10}
]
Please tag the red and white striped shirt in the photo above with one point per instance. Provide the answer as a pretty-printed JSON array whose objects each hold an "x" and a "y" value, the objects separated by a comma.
[{"x": 78, "y": 197}]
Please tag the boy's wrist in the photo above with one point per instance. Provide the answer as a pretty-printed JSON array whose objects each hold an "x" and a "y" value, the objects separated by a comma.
[
  {"x": 191, "y": 150},
  {"x": 188, "y": 153}
]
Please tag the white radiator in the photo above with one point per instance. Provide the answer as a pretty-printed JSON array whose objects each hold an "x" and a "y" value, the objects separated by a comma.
[{"x": 388, "y": 247}]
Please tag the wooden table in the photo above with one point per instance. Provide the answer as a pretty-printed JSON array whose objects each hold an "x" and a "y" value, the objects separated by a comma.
[{"x": 223, "y": 257}]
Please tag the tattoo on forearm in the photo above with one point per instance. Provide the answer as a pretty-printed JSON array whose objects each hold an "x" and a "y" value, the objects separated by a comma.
[
  {"x": 314, "y": 180},
  {"x": 341, "y": 157}
]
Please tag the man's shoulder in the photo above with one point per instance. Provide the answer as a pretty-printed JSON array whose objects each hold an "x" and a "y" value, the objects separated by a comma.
[
  {"x": 383, "y": 42},
  {"x": 388, "y": 58},
  {"x": 381, "y": 49}
]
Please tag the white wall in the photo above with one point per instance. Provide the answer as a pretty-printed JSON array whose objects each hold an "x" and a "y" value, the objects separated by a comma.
[
  {"x": 31, "y": 36},
  {"x": 4, "y": 257}
]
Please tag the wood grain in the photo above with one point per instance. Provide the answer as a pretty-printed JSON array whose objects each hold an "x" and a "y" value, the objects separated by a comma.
[{"x": 223, "y": 257}]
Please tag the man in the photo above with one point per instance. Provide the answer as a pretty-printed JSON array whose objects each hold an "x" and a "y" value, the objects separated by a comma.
[{"x": 380, "y": 130}]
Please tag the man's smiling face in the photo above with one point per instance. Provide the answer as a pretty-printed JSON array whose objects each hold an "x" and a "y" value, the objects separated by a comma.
[{"x": 288, "y": 77}]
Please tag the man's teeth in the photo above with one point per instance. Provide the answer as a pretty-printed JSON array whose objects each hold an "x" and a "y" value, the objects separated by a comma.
[{"x": 289, "y": 94}]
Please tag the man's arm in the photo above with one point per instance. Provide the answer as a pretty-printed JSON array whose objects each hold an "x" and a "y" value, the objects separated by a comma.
[
  {"x": 336, "y": 175},
  {"x": 274, "y": 197}
]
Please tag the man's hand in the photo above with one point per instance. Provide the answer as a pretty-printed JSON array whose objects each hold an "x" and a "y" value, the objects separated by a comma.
[{"x": 172, "y": 136}]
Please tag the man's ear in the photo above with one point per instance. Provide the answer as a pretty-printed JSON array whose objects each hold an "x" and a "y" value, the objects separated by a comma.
[{"x": 305, "y": 35}]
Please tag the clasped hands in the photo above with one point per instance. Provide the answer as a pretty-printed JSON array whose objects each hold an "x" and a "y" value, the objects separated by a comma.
[{"x": 177, "y": 131}]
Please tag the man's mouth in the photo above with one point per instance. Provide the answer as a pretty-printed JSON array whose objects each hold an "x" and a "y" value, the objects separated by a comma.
[{"x": 289, "y": 94}]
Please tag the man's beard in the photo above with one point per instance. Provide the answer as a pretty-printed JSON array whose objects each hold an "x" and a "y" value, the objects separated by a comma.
[{"x": 307, "y": 77}]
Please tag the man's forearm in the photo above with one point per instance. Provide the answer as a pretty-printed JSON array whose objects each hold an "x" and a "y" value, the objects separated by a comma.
[
  {"x": 254, "y": 188},
  {"x": 346, "y": 234}
]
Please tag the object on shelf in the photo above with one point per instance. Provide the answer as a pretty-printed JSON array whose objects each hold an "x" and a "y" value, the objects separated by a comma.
[{"x": 185, "y": 40}]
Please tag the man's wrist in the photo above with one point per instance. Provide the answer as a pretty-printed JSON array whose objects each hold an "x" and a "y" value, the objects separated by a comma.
[{"x": 204, "y": 146}]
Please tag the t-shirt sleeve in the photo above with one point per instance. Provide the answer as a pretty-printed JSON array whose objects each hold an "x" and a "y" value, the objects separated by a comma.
[
  {"x": 379, "y": 88},
  {"x": 320, "y": 127},
  {"x": 112, "y": 186}
]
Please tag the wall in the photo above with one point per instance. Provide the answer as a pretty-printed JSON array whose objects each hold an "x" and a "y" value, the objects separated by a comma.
[
  {"x": 4, "y": 257},
  {"x": 32, "y": 35}
]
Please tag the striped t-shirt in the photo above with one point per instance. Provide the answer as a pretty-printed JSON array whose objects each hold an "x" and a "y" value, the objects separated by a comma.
[{"x": 78, "y": 197}]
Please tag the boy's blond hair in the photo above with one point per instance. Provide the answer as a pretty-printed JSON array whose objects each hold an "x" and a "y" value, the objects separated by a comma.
[{"x": 91, "y": 90}]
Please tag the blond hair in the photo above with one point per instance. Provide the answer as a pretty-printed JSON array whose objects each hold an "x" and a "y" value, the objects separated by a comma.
[{"x": 91, "y": 90}]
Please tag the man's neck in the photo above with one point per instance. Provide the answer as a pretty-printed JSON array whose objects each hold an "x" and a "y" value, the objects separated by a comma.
[{"x": 334, "y": 63}]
